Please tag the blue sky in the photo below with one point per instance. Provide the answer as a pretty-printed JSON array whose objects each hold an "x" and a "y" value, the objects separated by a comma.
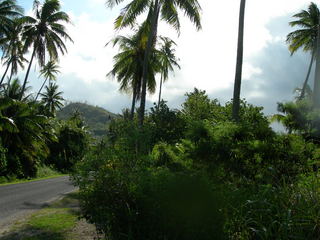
[{"x": 207, "y": 57}]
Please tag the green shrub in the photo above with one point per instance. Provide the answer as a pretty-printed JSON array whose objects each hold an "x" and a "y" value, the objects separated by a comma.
[
  {"x": 283, "y": 212},
  {"x": 129, "y": 198},
  {"x": 72, "y": 144},
  {"x": 46, "y": 171},
  {"x": 24, "y": 135},
  {"x": 165, "y": 125}
]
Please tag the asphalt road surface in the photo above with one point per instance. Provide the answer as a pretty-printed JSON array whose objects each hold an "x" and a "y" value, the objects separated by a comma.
[{"x": 17, "y": 199}]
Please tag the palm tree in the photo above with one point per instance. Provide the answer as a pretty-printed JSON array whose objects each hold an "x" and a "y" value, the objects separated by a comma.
[
  {"x": 8, "y": 11},
  {"x": 238, "y": 76},
  {"x": 49, "y": 72},
  {"x": 305, "y": 37},
  {"x": 13, "y": 91},
  {"x": 168, "y": 9},
  {"x": 52, "y": 99},
  {"x": 24, "y": 133},
  {"x": 13, "y": 49},
  {"x": 128, "y": 65},
  {"x": 168, "y": 61},
  {"x": 45, "y": 33}
]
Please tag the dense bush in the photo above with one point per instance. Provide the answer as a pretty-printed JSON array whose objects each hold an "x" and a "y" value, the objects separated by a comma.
[
  {"x": 165, "y": 125},
  {"x": 24, "y": 133},
  {"x": 125, "y": 134},
  {"x": 196, "y": 174},
  {"x": 130, "y": 198},
  {"x": 282, "y": 212},
  {"x": 71, "y": 145}
]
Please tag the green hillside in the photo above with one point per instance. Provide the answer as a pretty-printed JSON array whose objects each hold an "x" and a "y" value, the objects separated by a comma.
[{"x": 96, "y": 118}]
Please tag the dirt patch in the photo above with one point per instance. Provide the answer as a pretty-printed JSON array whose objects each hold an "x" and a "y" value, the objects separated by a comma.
[{"x": 85, "y": 231}]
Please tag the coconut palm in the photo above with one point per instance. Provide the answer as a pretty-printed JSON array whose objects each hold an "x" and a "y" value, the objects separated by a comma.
[
  {"x": 8, "y": 11},
  {"x": 45, "y": 33},
  {"x": 24, "y": 134},
  {"x": 305, "y": 37},
  {"x": 49, "y": 72},
  {"x": 168, "y": 61},
  {"x": 238, "y": 76},
  {"x": 168, "y": 11},
  {"x": 14, "y": 89},
  {"x": 13, "y": 54},
  {"x": 52, "y": 98},
  {"x": 128, "y": 67}
]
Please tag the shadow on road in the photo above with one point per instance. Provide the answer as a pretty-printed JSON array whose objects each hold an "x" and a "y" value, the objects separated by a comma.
[
  {"x": 50, "y": 223},
  {"x": 31, "y": 233}
]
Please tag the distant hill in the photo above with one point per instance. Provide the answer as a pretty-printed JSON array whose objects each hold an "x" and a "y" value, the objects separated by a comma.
[{"x": 96, "y": 118}]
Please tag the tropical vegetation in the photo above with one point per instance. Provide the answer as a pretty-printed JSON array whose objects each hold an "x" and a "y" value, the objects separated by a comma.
[{"x": 208, "y": 170}]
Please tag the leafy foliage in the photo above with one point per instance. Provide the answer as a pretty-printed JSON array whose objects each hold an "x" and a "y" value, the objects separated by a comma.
[
  {"x": 24, "y": 135},
  {"x": 71, "y": 145},
  {"x": 185, "y": 174}
]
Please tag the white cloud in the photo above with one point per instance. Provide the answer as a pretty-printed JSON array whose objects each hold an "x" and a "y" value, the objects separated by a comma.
[{"x": 207, "y": 57}]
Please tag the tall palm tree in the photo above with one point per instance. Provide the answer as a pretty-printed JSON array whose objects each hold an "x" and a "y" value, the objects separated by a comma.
[
  {"x": 168, "y": 9},
  {"x": 128, "y": 65},
  {"x": 9, "y": 10},
  {"x": 127, "y": 68},
  {"x": 49, "y": 72},
  {"x": 52, "y": 98},
  {"x": 13, "y": 49},
  {"x": 45, "y": 33},
  {"x": 305, "y": 37},
  {"x": 168, "y": 61},
  {"x": 238, "y": 76}
]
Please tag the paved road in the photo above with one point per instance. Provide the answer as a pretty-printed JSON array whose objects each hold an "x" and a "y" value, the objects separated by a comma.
[{"x": 16, "y": 199}]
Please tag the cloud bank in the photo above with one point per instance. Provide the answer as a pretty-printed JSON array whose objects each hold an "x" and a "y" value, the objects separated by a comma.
[{"x": 207, "y": 57}]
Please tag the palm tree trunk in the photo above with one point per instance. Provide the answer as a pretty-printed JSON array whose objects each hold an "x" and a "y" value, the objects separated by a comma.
[
  {"x": 151, "y": 38},
  {"x": 316, "y": 88},
  {"x": 303, "y": 91},
  {"x": 11, "y": 74},
  {"x": 134, "y": 96},
  {"x": 27, "y": 74},
  {"x": 4, "y": 75},
  {"x": 160, "y": 90},
  {"x": 237, "y": 82},
  {"x": 44, "y": 82}
]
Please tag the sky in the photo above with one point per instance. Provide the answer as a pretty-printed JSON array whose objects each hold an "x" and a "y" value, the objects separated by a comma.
[{"x": 207, "y": 57}]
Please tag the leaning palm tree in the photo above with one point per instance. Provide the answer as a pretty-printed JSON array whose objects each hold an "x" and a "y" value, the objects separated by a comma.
[
  {"x": 52, "y": 98},
  {"x": 13, "y": 54},
  {"x": 49, "y": 72},
  {"x": 238, "y": 76},
  {"x": 168, "y": 11},
  {"x": 305, "y": 37},
  {"x": 45, "y": 33},
  {"x": 168, "y": 61}
]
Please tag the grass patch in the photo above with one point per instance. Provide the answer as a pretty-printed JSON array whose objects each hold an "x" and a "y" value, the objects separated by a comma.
[
  {"x": 55, "y": 222},
  {"x": 43, "y": 173},
  {"x": 16, "y": 181}
]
